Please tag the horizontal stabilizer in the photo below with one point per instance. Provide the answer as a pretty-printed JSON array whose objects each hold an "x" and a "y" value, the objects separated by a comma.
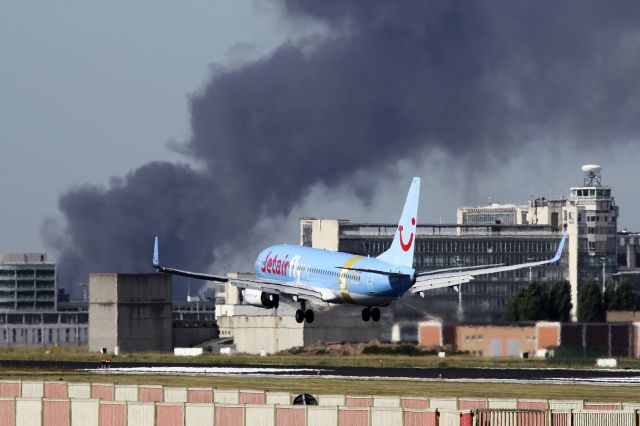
[{"x": 466, "y": 268}]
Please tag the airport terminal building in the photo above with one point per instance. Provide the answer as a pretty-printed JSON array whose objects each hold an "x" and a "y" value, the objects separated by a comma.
[{"x": 504, "y": 234}]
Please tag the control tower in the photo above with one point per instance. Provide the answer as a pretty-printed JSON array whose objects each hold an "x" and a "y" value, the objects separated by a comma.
[{"x": 591, "y": 216}]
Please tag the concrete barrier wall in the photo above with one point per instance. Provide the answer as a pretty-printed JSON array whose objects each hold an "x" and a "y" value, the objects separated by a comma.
[
  {"x": 443, "y": 403},
  {"x": 102, "y": 391},
  {"x": 330, "y": 400},
  {"x": 252, "y": 397},
  {"x": 56, "y": 412},
  {"x": 603, "y": 406},
  {"x": 9, "y": 389},
  {"x": 386, "y": 416},
  {"x": 141, "y": 413},
  {"x": 150, "y": 393},
  {"x": 29, "y": 411},
  {"x": 226, "y": 396},
  {"x": 322, "y": 415},
  {"x": 112, "y": 413},
  {"x": 56, "y": 390},
  {"x": 201, "y": 395},
  {"x": 168, "y": 414},
  {"x": 386, "y": 401},
  {"x": 94, "y": 412},
  {"x": 60, "y": 403},
  {"x": 199, "y": 414},
  {"x": 420, "y": 417},
  {"x": 281, "y": 398},
  {"x": 32, "y": 389},
  {"x": 126, "y": 393},
  {"x": 555, "y": 404},
  {"x": 79, "y": 390},
  {"x": 175, "y": 394},
  {"x": 84, "y": 412},
  {"x": 470, "y": 404},
  {"x": 505, "y": 404},
  {"x": 358, "y": 401},
  {"x": 229, "y": 416},
  {"x": 353, "y": 416},
  {"x": 260, "y": 415},
  {"x": 8, "y": 410},
  {"x": 291, "y": 416},
  {"x": 417, "y": 403},
  {"x": 533, "y": 404}
]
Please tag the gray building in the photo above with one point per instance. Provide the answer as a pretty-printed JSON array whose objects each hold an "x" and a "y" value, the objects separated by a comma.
[
  {"x": 130, "y": 312},
  {"x": 43, "y": 329},
  {"x": 27, "y": 283}
]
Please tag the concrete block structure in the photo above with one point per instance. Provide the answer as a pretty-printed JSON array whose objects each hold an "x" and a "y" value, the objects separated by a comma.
[
  {"x": 130, "y": 312},
  {"x": 263, "y": 330}
]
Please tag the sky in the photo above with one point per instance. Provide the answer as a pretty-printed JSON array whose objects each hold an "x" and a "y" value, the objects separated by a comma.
[
  {"x": 218, "y": 124},
  {"x": 91, "y": 90}
]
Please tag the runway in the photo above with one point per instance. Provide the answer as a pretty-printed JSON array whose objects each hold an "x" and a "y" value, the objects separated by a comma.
[{"x": 505, "y": 375}]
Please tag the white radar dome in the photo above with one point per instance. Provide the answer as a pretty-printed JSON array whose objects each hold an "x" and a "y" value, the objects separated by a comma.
[{"x": 593, "y": 168}]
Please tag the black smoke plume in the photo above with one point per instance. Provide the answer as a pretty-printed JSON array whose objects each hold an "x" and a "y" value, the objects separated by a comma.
[{"x": 385, "y": 81}]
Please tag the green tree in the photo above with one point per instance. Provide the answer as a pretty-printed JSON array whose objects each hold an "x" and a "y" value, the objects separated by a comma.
[
  {"x": 590, "y": 306},
  {"x": 533, "y": 302},
  {"x": 626, "y": 298},
  {"x": 530, "y": 304},
  {"x": 560, "y": 302},
  {"x": 511, "y": 312},
  {"x": 611, "y": 300}
]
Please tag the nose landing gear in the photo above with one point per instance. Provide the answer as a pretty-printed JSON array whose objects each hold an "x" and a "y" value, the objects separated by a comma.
[{"x": 371, "y": 313}]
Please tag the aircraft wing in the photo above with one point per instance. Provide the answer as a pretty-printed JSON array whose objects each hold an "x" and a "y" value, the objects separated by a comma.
[
  {"x": 302, "y": 290},
  {"x": 450, "y": 278}
]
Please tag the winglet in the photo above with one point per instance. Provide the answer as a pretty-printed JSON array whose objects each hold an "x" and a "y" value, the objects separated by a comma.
[
  {"x": 156, "y": 261},
  {"x": 560, "y": 248}
]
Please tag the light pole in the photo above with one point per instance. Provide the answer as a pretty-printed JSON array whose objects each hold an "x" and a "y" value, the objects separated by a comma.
[
  {"x": 530, "y": 259},
  {"x": 460, "y": 309},
  {"x": 604, "y": 271}
]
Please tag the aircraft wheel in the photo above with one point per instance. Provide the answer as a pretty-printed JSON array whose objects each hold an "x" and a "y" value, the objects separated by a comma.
[
  {"x": 308, "y": 315},
  {"x": 299, "y": 316},
  {"x": 375, "y": 314},
  {"x": 366, "y": 314}
]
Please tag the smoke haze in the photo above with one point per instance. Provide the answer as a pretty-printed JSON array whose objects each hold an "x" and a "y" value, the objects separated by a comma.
[{"x": 386, "y": 82}]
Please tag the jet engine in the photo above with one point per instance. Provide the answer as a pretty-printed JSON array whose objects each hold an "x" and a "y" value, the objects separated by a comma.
[{"x": 261, "y": 299}]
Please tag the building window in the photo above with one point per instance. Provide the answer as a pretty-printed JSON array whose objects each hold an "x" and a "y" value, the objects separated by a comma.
[{"x": 306, "y": 235}]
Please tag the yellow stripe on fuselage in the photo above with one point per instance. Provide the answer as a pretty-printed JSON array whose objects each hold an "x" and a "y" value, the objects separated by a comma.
[{"x": 342, "y": 278}]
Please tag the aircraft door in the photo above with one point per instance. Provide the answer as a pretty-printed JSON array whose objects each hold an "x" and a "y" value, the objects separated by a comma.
[{"x": 369, "y": 280}]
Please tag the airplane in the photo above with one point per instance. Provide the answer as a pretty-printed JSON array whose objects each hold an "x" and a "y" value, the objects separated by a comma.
[{"x": 305, "y": 274}]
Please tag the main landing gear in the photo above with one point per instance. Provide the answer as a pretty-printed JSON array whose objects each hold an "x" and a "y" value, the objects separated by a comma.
[
  {"x": 304, "y": 314},
  {"x": 373, "y": 313}
]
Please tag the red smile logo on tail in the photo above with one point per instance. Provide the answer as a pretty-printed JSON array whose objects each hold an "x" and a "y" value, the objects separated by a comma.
[{"x": 406, "y": 246}]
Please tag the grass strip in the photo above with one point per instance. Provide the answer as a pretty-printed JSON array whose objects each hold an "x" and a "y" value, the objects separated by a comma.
[
  {"x": 596, "y": 393},
  {"x": 371, "y": 360}
]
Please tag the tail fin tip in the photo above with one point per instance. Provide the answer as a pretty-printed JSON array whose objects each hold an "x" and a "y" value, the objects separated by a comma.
[
  {"x": 402, "y": 248},
  {"x": 156, "y": 258}
]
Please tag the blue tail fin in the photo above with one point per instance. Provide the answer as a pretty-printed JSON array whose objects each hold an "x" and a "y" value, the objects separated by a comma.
[
  {"x": 156, "y": 259},
  {"x": 401, "y": 251}
]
